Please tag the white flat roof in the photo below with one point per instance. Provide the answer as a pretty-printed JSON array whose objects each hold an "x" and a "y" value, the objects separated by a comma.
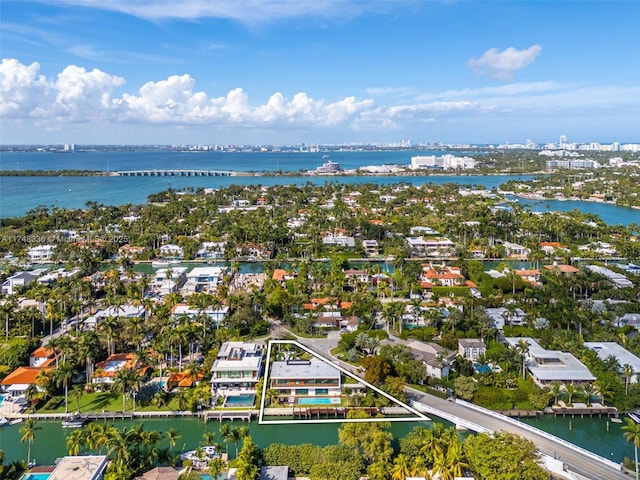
[
  {"x": 81, "y": 467},
  {"x": 301, "y": 369},
  {"x": 564, "y": 366},
  {"x": 246, "y": 363},
  {"x": 624, "y": 356}
]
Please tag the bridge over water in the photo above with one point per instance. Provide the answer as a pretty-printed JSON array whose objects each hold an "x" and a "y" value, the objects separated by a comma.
[
  {"x": 173, "y": 173},
  {"x": 585, "y": 464},
  {"x": 479, "y": 419}
]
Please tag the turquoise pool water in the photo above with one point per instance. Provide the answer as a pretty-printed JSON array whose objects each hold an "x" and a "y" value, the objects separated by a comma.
[
  {"x": 35, "y": 476},
  {"x": 318, "y": 401},
  {"x": 245, "y": 400},
  {"x": 481, "y": 368},
  {"x": 1, "y": 398}
]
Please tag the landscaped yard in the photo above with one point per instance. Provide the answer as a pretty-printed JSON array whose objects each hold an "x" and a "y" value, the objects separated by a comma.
[{"x": 108, "y": 402}]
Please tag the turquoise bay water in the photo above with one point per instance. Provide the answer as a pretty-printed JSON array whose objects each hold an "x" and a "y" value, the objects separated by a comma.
[
  {"x": 51, "y": 437},
  {"x": 598, "y": 435}
]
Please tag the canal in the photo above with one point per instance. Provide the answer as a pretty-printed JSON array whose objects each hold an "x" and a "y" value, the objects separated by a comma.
[
  {"x": 50, "y": 438},
  {"x": 598, "y": 435}
]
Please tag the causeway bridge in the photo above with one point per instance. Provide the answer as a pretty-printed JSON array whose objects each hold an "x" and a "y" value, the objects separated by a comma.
[
  {"x": 577, "y": 462},
  {"x": 575, "y": 459},
  {"x": 173, "y": 173}
]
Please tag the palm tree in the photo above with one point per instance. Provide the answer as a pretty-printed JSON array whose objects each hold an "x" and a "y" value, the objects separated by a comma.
[
  {"x": 627, "y": 371},
  {"x": 172, "y": 438},
  {"x": 401, "y": 467},
  {"x": 225, "y": 433},
  {"x": 523, "y": 349},
  {"x": 570, "y": 390},
  {"x": 28, "y": 431},
  {"x": 63, "y": 376},
  {"x": 234, "y": 437},
  {"x": 556, "y": 391},
  {"x": 208, "y": 438},
  {"x": 75, "y": 441},
  {"x": 123, "y": 382},
  {"x": 588, "y": 391},
  {"x": 632, "y": 435}
]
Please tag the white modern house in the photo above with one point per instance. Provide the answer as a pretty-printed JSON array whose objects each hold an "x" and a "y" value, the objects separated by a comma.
[
  {"x": 298, "y": 379},
  {"x": 549, "y": 366},
  {"x": 621, "y": 354},
  {"x": 41, "y": 253},
  {"x": 205, "y": 279},
  {"x": 216, "y": 316},
  {"x": 168, "y": 280},
  {"x": 238, "y": 367}
]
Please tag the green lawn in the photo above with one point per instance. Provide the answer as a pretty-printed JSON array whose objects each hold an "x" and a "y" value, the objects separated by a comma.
[{"x": 109, "y": 402}]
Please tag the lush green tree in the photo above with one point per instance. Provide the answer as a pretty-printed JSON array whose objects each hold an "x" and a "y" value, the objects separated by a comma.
[
  {"x": 632, "y": 435},
  {"x": 499, "y": 456},
  {"x": 465, "y": 387}
]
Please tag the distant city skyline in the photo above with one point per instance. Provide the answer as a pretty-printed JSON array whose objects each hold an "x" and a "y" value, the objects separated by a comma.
[{"x": 319, "y": 72}]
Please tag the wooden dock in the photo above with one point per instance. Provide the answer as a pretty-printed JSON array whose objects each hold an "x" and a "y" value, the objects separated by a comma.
[
  {"x": 521, "y": 413},
  {"x": 585, "y": 411},
  {"x": 220, "y": 415}
]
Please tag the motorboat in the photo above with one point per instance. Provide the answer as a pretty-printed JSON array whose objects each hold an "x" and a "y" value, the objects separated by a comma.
[
  {"x": 4, "y": 421},
  {"x": 74, "y": 421}
]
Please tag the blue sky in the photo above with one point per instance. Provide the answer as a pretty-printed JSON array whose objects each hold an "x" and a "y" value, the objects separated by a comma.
[{"x": 320, "y": 71}]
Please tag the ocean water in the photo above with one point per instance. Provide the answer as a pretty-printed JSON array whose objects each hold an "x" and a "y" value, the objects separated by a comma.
[{"x": 18, "y": 195}]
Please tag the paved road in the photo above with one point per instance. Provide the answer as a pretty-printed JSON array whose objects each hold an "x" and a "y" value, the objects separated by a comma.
[{"x": 576, "y": 461}]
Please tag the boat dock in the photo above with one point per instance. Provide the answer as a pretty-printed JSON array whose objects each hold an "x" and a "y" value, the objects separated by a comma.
[
  {"x": 220, "y": 415},
  {"x": 521, "y": 413},
  {"x": 582, "y": 410},
  {"x": 172, "y": 173}
]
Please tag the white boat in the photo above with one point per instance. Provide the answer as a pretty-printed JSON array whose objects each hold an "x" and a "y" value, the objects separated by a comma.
[
  {"x": 74, "y": 421},
  {"x": 164, "y": 263},
  {"x": 4, "y": 421},
  {"x": 200, "y": 458}
]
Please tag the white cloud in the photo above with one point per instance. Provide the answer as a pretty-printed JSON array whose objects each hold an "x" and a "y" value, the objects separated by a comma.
[
  {"x": 249, "y": 11},
  {"x": 87, "y": 98},
  {"x": 503, "y": 64},
  {"x": 21, "y": 88}
]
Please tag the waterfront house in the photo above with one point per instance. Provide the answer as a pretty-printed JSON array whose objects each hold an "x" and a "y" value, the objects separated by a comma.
[
  {"x": 370, "y": 248},
  {"x": 514, "y": 250},
  {"x": 282, "y": 276},
  {"x": 238, "y": 366},
  {"x": 294, "y": 379},
  {"x": 617, "y": 279},
  {"x": 549, "y": 366},
  {"x": 471, "y": 348},
  {"x": 274, "y": 473},
  {"x": 17, "y": 280},
  {"x": 80, "y": 467},
  {"x": 204, "y": 279},
  {"x": 171, "y": 250},
  {"x": 606, "y": 350},
  {"x": 131, "y": 251},
  {"x": 160, "y": 473},
  {"x": 41, "y": 253},
  {"x": 169, "y": 280},
  {"x": 105, "y": 372},
  {"x": 632, "y": 319},
  {"x": 338, "y": 240},
  {"x": 441, "y": 275},
  {"x": 530, "y": 276},
  {"x": 17, "y": 382},
  {"x": 211, "y": 250},
  {"x": 430, "y": 246},
  {"x": 183, "y": 380}
]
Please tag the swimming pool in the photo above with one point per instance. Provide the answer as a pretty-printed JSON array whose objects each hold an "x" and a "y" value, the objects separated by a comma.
[
  {"x": 318, "y": 401},
  {"x": 244, "y": 400},
  {"x": 482, "y": 367},
  {"x": 35, "y": 476},
  {"x": 1, "y": 399}
]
